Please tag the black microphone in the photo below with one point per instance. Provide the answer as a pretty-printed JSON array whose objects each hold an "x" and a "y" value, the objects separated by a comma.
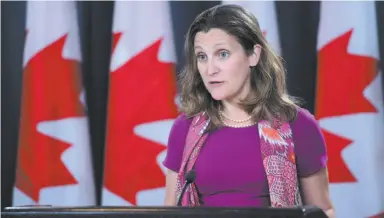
[{"x": 189, "y": 178}]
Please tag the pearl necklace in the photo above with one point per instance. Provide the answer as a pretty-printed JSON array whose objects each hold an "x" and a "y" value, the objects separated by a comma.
[
  {"x": 234, "y": 125},
  {"x": 236, "y": 121}
]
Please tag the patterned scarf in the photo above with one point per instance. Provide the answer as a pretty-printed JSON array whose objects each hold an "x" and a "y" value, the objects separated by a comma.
[{"x": 277, "y": 149}]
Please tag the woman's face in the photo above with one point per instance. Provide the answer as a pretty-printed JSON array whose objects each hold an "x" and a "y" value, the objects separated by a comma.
[{"x": 224, "y": 65}]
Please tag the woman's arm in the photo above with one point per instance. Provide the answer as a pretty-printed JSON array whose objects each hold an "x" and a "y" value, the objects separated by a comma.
[
  {"x": 315, "y": 189},
  {"x": 170, "y": 188}
]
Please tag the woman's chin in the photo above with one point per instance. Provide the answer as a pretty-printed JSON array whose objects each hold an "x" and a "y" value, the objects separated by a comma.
[{"x": 218, "y": 96}]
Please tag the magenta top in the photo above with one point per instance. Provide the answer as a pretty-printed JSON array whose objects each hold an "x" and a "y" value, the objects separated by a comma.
[{"x": 229, "y": 167}]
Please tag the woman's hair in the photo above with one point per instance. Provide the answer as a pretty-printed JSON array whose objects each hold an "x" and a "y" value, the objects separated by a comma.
[{"x": 268, "y": 97}]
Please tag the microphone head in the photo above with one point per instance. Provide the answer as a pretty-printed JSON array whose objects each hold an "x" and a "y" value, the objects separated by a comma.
[{"x": 190, "y": 176}]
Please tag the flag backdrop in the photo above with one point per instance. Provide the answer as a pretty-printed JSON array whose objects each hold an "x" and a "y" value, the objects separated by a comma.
[
  {"x": 349, "y": 106},
  {"x": 54, "y": 160},
  {"x": 141, "y": 105},
  {"x": 129, "y": 52}
]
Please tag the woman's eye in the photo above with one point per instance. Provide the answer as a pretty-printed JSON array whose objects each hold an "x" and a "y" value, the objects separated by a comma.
[
  {"x": 224, "y": 54},
  {"x": 201, "y": 57}
]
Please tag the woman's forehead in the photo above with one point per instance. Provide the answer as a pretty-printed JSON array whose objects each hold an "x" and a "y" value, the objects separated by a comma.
[{"x": 213, "y": 38}]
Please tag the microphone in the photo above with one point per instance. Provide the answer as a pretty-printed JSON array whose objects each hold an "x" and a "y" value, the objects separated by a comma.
[{"x": 190, "y": 177}]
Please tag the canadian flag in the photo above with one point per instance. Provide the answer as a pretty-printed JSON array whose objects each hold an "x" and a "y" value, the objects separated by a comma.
[
  {"x": 141, "y": 107},
  {"x": 349, "y": 107},
  {"x": 54, "y": 163},
  {"x": 265, "y": 12}
]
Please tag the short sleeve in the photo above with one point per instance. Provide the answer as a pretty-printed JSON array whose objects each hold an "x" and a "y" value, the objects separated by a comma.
[
  {"x": 310, "y": 147},
  {"x": 176, "y": 143}
]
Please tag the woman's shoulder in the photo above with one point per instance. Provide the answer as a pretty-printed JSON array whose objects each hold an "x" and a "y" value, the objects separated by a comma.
[
  {"x": 176, "y": 142},
  {"x": 305, "y": 121},
  {"x": 181, "y": 124},
  {"x": 310, "y": 145},
  {"x": 304, "y": 113},
  {"x": 182, "y": 120}
]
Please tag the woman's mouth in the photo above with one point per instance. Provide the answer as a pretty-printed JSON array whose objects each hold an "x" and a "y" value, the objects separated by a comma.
[{"x": 216, "y": 83}]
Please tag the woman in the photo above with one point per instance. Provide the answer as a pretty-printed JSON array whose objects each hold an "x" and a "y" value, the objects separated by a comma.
[{"x": 246, "y": 139}]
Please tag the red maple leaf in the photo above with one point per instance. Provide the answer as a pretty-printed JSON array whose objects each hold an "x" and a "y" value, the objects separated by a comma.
[
  {"x": 142, "y": 90},
  {"x": 342, "y": 78},
  {"x": 51, "y": 89},
  {"x": 338, "y": 170}
]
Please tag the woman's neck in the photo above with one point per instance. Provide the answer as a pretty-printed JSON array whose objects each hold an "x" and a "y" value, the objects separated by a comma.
[
  {"x": 234, "y": 110},
  {"x": 232, "y": 115}
]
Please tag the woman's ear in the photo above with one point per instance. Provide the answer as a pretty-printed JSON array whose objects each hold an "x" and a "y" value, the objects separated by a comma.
[{"x": 255, "y": 56}]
